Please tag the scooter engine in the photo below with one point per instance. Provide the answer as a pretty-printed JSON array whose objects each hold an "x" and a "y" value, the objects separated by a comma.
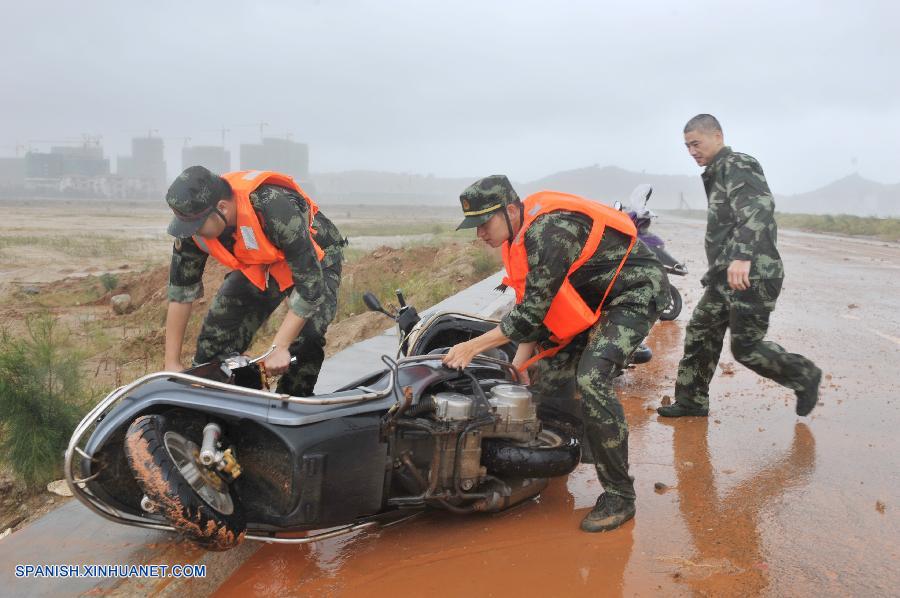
[{"x": 514, "y": 418}]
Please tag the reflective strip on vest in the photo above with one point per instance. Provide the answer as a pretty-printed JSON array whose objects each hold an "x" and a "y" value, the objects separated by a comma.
[{"x": 249, "y": 237}]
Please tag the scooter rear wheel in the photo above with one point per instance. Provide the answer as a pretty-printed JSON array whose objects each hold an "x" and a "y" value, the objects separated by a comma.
[
  {"x": 674, "y": 309},
  {"x": 193, "y": 499},
  {"x": 553, "y": 453}
]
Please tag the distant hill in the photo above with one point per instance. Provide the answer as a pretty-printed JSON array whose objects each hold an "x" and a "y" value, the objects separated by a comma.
[
  {"x": 371, "y": 187},
  {"x": 611, "y": 183},
  {"x": 849, "y": 195},
  {"x": 606, "y": 184}
]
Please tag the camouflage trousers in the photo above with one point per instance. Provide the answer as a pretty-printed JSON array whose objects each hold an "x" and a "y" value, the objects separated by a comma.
[
  {"x": 746, "y": 313},
  {"x": 594, "y": 358},
  {"x": 240, "y": 308}
]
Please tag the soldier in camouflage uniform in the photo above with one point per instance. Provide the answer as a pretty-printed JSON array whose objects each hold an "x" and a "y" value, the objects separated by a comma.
[
  {"x": 240, "y": 308},
  {"x": 742, "y": 283},
  {"x": 593, "y": 358}
]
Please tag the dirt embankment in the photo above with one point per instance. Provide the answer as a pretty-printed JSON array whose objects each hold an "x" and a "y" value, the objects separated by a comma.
[{"x": 120, "y": 348}]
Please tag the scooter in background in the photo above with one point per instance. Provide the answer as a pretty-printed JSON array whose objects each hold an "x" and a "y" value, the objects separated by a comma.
[{"x": 642, "y": 217}]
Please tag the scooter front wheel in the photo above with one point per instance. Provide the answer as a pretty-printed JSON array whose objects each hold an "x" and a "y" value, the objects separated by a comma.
[
  {"x": 674, "y": 308},
  {"x": 194, "y": 500}
]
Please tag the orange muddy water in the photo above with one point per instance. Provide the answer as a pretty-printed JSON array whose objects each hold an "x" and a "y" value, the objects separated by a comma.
[{"x": 757, "y": 501}]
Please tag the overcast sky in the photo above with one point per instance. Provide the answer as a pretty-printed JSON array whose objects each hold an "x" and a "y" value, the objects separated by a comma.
[{"x": 467, "y": 88}]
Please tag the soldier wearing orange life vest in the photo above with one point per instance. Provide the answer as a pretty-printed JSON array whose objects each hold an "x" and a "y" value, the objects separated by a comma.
[
  {"x": 587, "y": 293},
  {"x": 262, "y": 226}
]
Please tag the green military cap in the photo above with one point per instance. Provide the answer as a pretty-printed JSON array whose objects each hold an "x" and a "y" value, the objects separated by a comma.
[
  {"x": 193, "y": 196},
  {"x": 484, "y": 197}
]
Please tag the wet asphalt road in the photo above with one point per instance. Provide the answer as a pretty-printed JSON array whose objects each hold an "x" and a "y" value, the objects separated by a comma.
[{"x": 759, "y": 501}]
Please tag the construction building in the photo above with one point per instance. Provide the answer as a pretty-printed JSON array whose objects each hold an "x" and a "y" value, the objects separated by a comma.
[
  {"x": 216, "y": 158},
  {"x": 146, "y": 163},
  {"x": 12, "y": 173},
  {"x": 86, "y": 160},
  {"x": 281, "y": 155}
]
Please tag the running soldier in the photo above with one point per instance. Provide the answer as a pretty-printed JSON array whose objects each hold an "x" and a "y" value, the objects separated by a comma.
[{"x": 742, "y": 283}]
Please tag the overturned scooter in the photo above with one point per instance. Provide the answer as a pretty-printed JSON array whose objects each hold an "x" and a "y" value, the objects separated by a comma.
[{"x": 212, "y": 454}]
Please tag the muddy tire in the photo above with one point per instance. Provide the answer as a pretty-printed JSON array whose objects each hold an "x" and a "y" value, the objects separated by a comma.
[
  {"x": 674, "y": 308},
  {"x": 554, "y": 453},
  {"x": 152, "y": 457}
]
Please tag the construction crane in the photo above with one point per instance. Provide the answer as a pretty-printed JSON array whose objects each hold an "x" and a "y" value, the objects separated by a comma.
[
  {"x": 89, "y": 140},
  {"x": 150, "y": 132},
  {"x": 221, "y": 131},
  {"x": 186, "y": 141},
  {"x": 261, "y": 125},
  {"x": 64, "y": 140}
]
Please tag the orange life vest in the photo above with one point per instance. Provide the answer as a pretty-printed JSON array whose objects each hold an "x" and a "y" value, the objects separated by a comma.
[
  {"x": 568, "y": 314},
  {"x": 253, "y": 253}
]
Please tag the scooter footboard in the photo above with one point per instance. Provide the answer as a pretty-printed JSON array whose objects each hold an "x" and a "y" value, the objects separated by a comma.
[{"x": 312, "y": 476}]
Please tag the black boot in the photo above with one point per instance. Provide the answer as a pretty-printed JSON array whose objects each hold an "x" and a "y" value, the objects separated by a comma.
[
  {"x": 809, "y": 396},
  {"x": 610, "y": 512},
  {"x": 677, "y": 409}
]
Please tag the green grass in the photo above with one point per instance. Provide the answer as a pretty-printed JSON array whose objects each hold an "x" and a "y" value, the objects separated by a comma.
[
  {"x": 87, "y": 291},
  {"x": 423, "y": 286},
  {"x": 353, "y": 254},
  {"x": 886, "y": 229},
  {"x": 74, "y": 245},
  {"x": 390, "y": 229},
  {"x": 485, "y": 262},
  {"x": 419, "y": 289}
]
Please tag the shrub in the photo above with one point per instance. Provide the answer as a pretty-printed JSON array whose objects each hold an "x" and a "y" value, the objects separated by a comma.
[
  {"x": 109, "y": 281},
  {"x": 41, "y": 392},
  {"x": 485, "y": 262}
]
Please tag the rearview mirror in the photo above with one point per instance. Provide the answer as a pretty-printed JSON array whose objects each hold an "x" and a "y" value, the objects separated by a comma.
[
  {"x": 374, "y": 304},
  {"x": 372, "y": 301}
]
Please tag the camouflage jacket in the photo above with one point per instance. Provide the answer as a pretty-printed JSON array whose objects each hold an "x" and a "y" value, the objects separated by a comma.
[
  {"x": 553, "y": 242},
  {"x": 740, "y": 223},
  {"x": 284, "y": 215}
]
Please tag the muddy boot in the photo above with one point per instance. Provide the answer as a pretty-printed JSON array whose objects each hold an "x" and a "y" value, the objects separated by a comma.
[
  {"x": 677, "y": 409},
  {"x": 809, "y": 396},
  {"x": 610, "y": 512}
]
